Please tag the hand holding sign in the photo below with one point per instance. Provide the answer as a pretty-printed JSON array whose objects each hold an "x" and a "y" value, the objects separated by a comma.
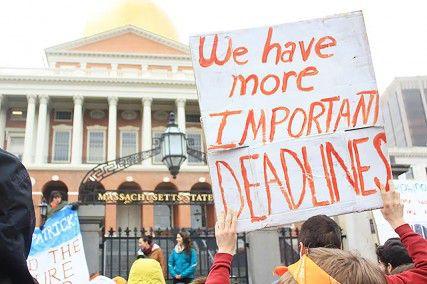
[
  {"x": 393, "y": 207},
  {"x": 225, "y": 232}
]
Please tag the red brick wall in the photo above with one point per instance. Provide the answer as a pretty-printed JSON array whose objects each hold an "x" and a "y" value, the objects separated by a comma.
[{"x": 147, "y": 180}]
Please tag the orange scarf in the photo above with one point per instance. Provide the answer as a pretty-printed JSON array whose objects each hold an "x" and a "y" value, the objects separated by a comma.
[{"x": 306, "y": 271}]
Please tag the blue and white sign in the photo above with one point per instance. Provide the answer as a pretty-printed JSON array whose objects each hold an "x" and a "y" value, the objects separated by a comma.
[
  {"x": 413, "y": 194},
  {"x": 57, "y": 254}
]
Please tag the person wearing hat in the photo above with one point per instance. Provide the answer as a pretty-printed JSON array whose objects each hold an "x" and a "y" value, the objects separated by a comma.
[
  {"x": 145, "y": 271},
  {"x": 17, "y": 220}
]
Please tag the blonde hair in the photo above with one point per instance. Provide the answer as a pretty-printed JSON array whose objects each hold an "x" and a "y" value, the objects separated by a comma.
[{"x": 344, "y": 266}]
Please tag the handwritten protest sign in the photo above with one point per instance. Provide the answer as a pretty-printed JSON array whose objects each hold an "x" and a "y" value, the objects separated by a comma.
[
  {"x": 57, "y": 254},
  {"x": 291, "y": 119},
  {"x": 413, "y": 194}
]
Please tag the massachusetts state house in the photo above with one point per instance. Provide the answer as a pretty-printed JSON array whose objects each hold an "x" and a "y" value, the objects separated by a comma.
[{"x": 103, "y": 97}]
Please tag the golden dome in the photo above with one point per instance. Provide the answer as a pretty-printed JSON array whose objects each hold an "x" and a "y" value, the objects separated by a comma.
[{"x": 141, "y": 13}]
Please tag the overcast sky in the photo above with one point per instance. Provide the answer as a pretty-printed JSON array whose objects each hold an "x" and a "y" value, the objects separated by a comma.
[{"x": 397, "y": 30}]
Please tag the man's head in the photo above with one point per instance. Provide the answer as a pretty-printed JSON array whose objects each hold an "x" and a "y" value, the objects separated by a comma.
[
  {"x": 319, "y": 231},
  {"x": 392, "y": 254}
]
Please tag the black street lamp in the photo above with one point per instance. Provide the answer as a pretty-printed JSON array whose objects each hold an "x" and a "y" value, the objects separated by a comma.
[
  {"x": 173, "y": 147},
  {"x": 43, "y": 210}
]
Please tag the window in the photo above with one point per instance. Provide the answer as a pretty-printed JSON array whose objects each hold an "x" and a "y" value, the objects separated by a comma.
[
  {"x": 156, "y": 142},
  {"x": 15, "y": 144},
  {"x": 194, "y": 142},
  {"x": 61, "y": 145},
  {"x": 193, "y": 118},
  {"x": 416, "y": 117},
  {"x": 96, "y": 146},
  {"x": 63, "y": 115},
  {"x": 129, "y": 143}
]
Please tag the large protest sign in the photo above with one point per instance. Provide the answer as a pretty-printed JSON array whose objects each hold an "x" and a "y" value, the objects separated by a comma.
[
  {"x": 291, "y": 119},
  {"x": 57, "y": 254},
  {"x": 413, "y": 194}
]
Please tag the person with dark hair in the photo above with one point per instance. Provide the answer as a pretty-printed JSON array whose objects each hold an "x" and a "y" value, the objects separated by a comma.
[
  {"x": 183, "y": 259},
  {"x": 392, "y": 254},
  {"x": 319, "y": 231},
  {"x": 17, "y": 220},
  {"x": 152, "y": 250},
  {"x": 56, "y": 203}
]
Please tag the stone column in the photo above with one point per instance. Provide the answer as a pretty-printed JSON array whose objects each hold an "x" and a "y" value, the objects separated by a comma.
[
  {"x": 41, "y": 128},
  {"x": 180, "y": 118},
  {"x": 29, "y": 130},
  {"x": 146, "y": 128},
  {"x": 263, "y": 255},
  {"x": 180, "y": 105},
  {"x": 359, "y": 234},
  {"x": 76, "y": 151},
  {"x": 91, "y": 218},
  {"x": 112, "y": 127},
  {"x": 405, "y": 123}
]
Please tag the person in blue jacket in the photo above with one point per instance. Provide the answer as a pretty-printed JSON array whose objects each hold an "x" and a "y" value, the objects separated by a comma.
[{"x": 183, "y": 260}]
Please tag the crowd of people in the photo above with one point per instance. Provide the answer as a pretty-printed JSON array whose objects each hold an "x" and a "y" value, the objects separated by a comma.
[{"x": 322, "y": 259}]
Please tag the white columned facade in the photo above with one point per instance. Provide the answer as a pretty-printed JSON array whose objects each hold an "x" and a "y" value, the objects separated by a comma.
[
  {"x": 29, "y": 130},
  {"x": 41, "y": 128},
  {"x": 112, "y": 127},
  {"x": 180, "y": 106},
  {"x": 76, "y": 152},
  {"x": 146, "y": 127},
  {"x": 180, "y": 109}
]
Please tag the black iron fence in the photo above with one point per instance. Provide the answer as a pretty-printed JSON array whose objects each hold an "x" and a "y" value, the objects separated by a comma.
[
  {"x": 288, "y": 240},
  {"x": 119, "y": 251},
  {"x": 289, "y": 249}
]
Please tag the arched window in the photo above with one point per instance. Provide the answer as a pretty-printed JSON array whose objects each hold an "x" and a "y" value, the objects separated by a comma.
[
  {"x": 55, "y": 186},
  {"x": 89, "y": 191},
  {"x": 202, "y": 215},
  {"x": 164, "y": 213},
  {"x": 129, "y": 215}
]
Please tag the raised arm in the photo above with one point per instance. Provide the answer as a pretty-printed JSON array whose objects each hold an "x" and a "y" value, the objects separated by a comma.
[
  {"x": 414, "y": 243},
  {"x": 226, "y": 239}
]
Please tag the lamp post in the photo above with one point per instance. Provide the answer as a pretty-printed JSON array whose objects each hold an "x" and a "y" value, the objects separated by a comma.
[
  {"x": 173, "y": 147},
  {"x": 43, "y": 210}
]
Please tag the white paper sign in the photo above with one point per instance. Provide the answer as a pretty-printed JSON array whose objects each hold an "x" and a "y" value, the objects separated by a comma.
[
  {"x": 57, "y": 254},
  {"x": 291, "y": 119},
  {"x": 413, "y": 194}
]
